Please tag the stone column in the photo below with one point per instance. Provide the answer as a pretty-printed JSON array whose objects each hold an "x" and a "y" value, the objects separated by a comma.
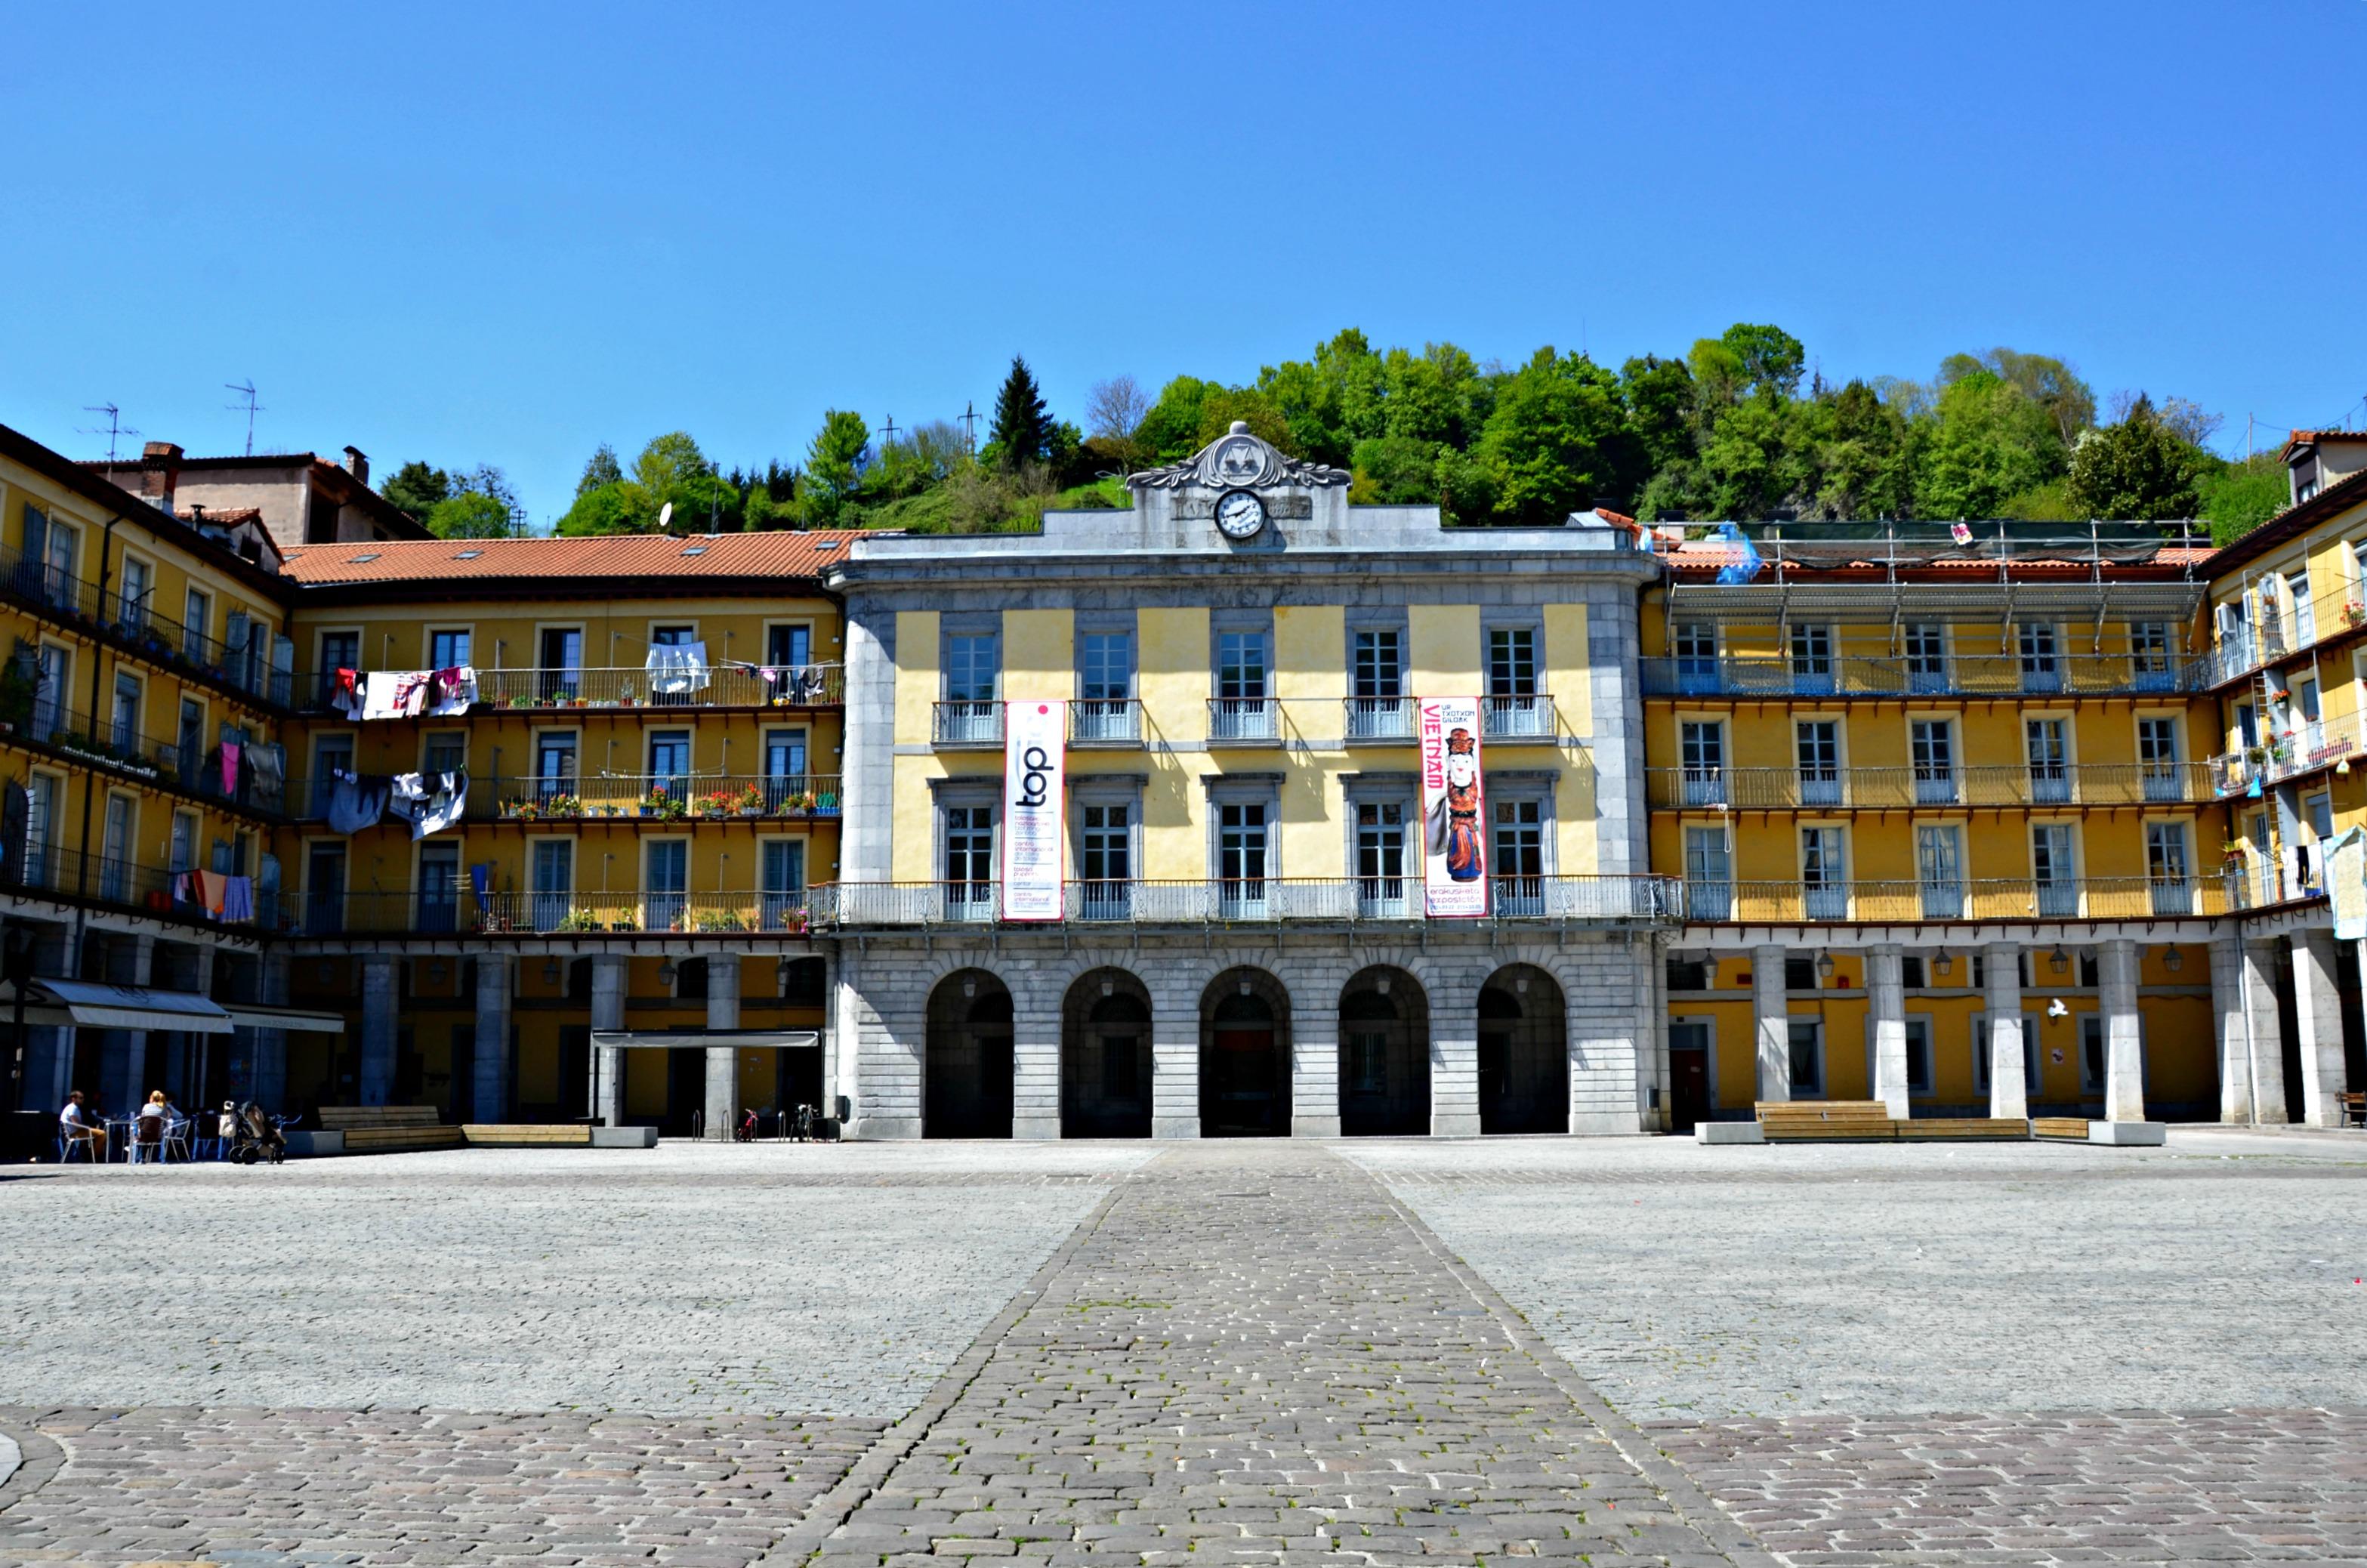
[
  {"x": 722, "y": 1061},
  {"x": 2318, "y": 1008},
  {"x": 1174, "y": 1063},
  {"x": 1315, "y": 1058},
  {"x": 609, "y": 971},
  {"x": 488, "y": 1096},
  {"x": 2117, "y": 980},
  {"x": 2227, "y": 1010},
  {"x": 1453, "y": 1057},
  {"x": 375, "y": 1081},
  {"x": 1768, "y": 1007},
  {"x": 1034, "y": 1061},
  {"x": 268, "y": 1060},
  {"x": 2010, "y": 1090},
  {"x": 2264, "y": 1062},
  {"x": 1885, "y": 991}
]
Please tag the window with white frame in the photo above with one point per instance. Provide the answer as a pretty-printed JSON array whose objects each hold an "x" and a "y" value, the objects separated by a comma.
[
  {"x": 2040, "y": 654},
  {"x": 781, "y": 869},
  {"x": 1932, "y": 750},
  {"x": 2304, "y": 614},
  {"x": 447, "y": 648},
  {"x": 2047, "y": 742},
  {"x": 131, "y": 593},
  {"x": 969, "y": 854},
  {"x": 1824, "y": 873},
  {"x": 1927, "y": 655},
  {"x": 1816, "y": 743},
  {"x": 2053, "y": 871},
  {"x": 1701, "y": 749}
]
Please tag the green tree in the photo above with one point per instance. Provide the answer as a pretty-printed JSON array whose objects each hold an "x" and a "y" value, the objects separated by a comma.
[
  {"x": 619, "y": 507},
  {"x": 2050, "y": 383},
  {"x": 1556, "y": 438},
  {"x": 1022, "y": 431},
  {"x": 1394, "y": 470},
  {"x": 417, "y": 488},
  {"x": 834, "y": 467},
  {"x": 668, "y": 463},
  {"x": 758, "y": 511},
  {"x": 472, "y": 513},
  {"x": 601, "y": 468},
  {"x": 1988, "y": 441},
  {"x": 2136, "y": 470},
  {"x": 1768, "y": 358},
  {"x": 2242, "y": 495}
]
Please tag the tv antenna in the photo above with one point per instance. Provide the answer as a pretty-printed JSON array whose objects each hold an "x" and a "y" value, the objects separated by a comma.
[
  {"x": 970, "y": 426},
  {"x": 247, "y": 390},
  {"x": 115, "y": 425}
]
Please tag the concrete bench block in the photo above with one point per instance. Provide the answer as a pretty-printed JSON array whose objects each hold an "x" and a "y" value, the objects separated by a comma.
[
  {"x": 2128, "y": 1134},
  {"x": 624, "y": 1138},
  {"x": 314, "y": 1144},
  {"x": 1729, "y": 1132}
]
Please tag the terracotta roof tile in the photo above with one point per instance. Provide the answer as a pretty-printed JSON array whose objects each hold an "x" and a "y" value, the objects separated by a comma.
[{"x": 781, "y": 553}]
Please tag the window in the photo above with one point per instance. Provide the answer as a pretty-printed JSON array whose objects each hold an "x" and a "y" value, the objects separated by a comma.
[
  {"x": 41, "y": 828},
  {"x": 1242, "y": 711},
  {"x": 2304, "y": 616},
  {"x": 1106, "y": 687},
  {"x": 439, "y": 887},
  {"x": 123, "y": 718},
  {"x": 1811, "y": 650},
  {"x": 971, "y": 669},
  {"x": 559, "y": 662},
  {"x": 2052, "y": 870},
  {"x": 1520, "y": 856},
  {"x": 2166, "y": 868},
  {"x": 2050, "y": 758},
  {"x": 115, "y": 850},
  {"x": 1818, "y": 744},
  {"x": 189, "y": 740},
  {"x": 784, "y": 766},
  {"x": 131, "y": 593},
  {"x": 58, "y": 561},
  {"x": 2319, "y": 810},
  {"x": 1701, "y": 747},
  {"x": 1107, "y": 862},
  {"x": 1696, "y": 652},
  {"x": 789, "y": 647},
  {"x": 339, "y": 651},
  {"x": 1709, "y": 885},
  {"x": 53, "y": 668},
  {"x": 1939, "y": 870},
  {"x": 1806, "y": 1038},
  {"x": 666, "y": 885},
  {"x": 670, "y": 763},
  {"x": 554, "y": 884},
  {"x": 181, "y": 855},
  {"x": 1512, "y": 661},
  {"x": 324, "y": 889},
  {"x": 1931, "y": 746},
  {"x": 2042, "y": 662},
  {"x": 2158, "y": 760},
  {"x": 1918, "y": 1056},
  {"x": 332, "y": 755},
  {"x": 783, "y": 874},
  {"x": 2318, "y": 815},
  {"x": 673, "y": 636},
  {"x": 198, "y": 615},
  {"x": 969, "y": 861},
  {"x": 446, "y": 751},
  {"x": 1241, "y": 854},
  {"x": 554, "y": 764},
  {"x": 2149, "y": 656},
  {"x": 1379, "y": 671},
  {"x": 1824, "y": 873},
  {"x": 1927, "y": 657},
  {"x": 1380, "y": 858}
]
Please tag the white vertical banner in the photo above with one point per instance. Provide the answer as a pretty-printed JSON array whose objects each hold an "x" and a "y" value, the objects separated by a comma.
[
  {"x": 1034, "y": 840},
  {"x": 1454, "y": 810}
]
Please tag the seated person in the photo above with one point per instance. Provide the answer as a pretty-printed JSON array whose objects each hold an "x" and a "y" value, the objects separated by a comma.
[{"x": 75, "y": 1127}]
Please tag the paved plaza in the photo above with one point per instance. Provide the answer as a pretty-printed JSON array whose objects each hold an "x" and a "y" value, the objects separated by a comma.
[{"x": 1366, "y": 1352}]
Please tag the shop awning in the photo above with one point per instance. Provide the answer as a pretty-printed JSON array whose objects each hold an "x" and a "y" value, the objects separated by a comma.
[
  {"x": 255, "y": 1015},
  {"x": 83, "y": 1003},
  {"x": 704, "y": 1040}
]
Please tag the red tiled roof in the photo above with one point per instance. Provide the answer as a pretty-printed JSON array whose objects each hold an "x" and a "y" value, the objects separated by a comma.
[
  {"x": 786, "y": 555},
  {"x": 224, "y": 517},
  {"x": 1708, "y": 555}
]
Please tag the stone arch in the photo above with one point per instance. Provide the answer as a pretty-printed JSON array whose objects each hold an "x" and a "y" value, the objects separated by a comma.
[
  {"x": 1245, "y": 1056},
  {"x": 1384, "y": 1054},
  {"x": 1524, "y": 1051},
  {"x": 1105, "y": 1056},
  {"x": 967, "y": 1069}
]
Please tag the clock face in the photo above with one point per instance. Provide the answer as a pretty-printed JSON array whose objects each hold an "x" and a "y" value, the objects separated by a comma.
[{"x": 1239, "y": 514}]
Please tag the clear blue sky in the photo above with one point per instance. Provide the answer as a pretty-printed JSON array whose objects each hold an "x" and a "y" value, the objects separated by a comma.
[{"x": 504, "y": 233}]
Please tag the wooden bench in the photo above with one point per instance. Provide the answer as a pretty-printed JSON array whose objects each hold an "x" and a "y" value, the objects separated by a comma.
[
  {"x": 2354, "y": 1111},
  {"x": 2074, "y": 1128},
  {"x": 528, "y": 1134},
  {"x": 1991, "y": 1127},
  {"x": 391, "y": 1129},
  {"x": 1799, "y": 1120}
]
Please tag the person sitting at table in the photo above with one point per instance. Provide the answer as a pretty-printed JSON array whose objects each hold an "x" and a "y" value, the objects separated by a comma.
[
  {"x": 149, "y": 1136},
  {"x": 75, "y": 1127}
]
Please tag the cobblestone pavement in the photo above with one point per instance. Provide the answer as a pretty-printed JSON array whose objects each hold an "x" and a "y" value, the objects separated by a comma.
[
  {"x": 1253, "y": 1356},
  {"x": 690, "y": 1279}
]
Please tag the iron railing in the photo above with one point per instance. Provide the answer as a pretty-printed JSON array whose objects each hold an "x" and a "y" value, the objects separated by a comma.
[
  {"x": 726, "y": 686},
  {"x": 641, "y": 797},
  {"x": 1955, "y": 675},
  {"x": 1892, "y": 789},
  {"x": 1987, "y": 898},
  {"x": 192, "y": 771},
  {"x": 46, "y": 871},
  {"x": 966, "y": 724},
  {"x": 1105, "y": 721},
  {"x": 1379, "y": 718},
  {"x": 1209, "y": 901},
  {"x": 454, "y": 907},
  {"x": 1517, "y": 718},
  {"x": 1251, "y": 719},
  {"x": 2288, "y": 754},
  {"x": 136, "y": 626}
]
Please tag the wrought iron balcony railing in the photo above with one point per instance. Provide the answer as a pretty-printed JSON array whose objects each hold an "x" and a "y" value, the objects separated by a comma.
[
  {"x": 1896, "y": 789},
  {"x": 1712, "y": 900},
  {"x": 661, "y": 799},
  {"x": 2291, "y": 752},
  {"x": 1522, "y": 718},
  {"x": 967, "y": 724},
  {"x": 1379, "y": 718},
  {"x": 1255, "y": 899},
  {"x": 726, "y": 686},
  {"x": 37, "y": 870},
  {"x": 444, "y": 908},
  {"x": 133, "y": 624},
  {"x": 1244, "y": 719},
  {"x": 1104, "y": 722},
  {"x": 122, "y": 749},
  {"x": 1959, "y": 675}
]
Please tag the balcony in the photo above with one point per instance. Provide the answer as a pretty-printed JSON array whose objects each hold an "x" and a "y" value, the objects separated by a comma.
[
  {"x": 2274, "y": 639},
  {"x": 1901, "y": 788},
  {"x": 193, "y": 771},
  {"x": 111, "y": 882},
  {"x": 457, "y": 909},
  {"x": 966, "y": 724},
  {"x": 770, "y": 799},
  {"x": 728, "y": 685},
  {"x": 1253, "y": 900},
  {"x": 1244, "y": 720},
  {"x": 1379, "y": 720},
  {"x": 1105, "y": 722},
  {"x": 1978, "y": 675},
  {"x": 135, "y": 627},
  {"x": 2295, "y": 753},
  {"x": 2021, "y": 900},
  {"x": 1522, "y": 718}
]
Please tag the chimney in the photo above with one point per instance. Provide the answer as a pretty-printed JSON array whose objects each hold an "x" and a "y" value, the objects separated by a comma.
[
  {"x": 358, "y": 464},
  {"x": 160, "y": 474}
]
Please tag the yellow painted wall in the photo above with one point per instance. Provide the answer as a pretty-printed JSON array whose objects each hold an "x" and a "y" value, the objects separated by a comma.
[{"x": 1038, "y": 655}]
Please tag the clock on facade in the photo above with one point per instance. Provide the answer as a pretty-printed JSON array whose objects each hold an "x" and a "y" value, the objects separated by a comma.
[{"x": 1239, "y": 514}]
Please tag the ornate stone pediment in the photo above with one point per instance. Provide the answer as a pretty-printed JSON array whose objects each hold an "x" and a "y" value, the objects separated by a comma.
[{"x": 1239, "y": 461}]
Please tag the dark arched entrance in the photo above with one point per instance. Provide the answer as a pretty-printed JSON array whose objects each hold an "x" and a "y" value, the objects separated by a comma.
[
  {"x": 1523, "y": 1054},
  {"x": 1384, "y": 1054},
  {"x": 967, "y": 1073},
  {"x": 1244, "y": 1056},
  {"x": 1105, "y": 1061}
]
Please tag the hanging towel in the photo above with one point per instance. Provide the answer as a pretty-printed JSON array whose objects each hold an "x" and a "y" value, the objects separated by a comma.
[
  {"x": 357, "y": 804},
  {"x": 409, "y": 787},
  {"x": 216, "y": 888},
  {"x": 443, "y": 808},
  {"x": 229, "y": 769},
  {"x": 452, "y": 691},
  {"x": 346, "y": 692},
  {"x": 674, "y": 671},
  {"x": 238, "y": 898}
]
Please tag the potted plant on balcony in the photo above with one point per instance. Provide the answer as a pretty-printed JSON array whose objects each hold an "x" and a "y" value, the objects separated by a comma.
[
  {"x": 563, "y": 806},
  {"x": 720, "y": 920},
  {"x": 655, "y": 802},
  {"x": 623, "y": 922},
  {"x": 718, "y": 803},
  {"x": 2354, "y": 613},
  {"x": 751, "y": 801},
  {"x": 578, "y": 920}
]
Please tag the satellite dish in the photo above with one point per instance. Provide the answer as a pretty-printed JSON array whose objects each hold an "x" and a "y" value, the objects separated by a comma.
[{"x": 665, "y": 514}]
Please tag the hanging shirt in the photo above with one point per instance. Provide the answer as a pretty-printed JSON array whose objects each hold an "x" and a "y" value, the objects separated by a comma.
[
  {"x": 452, "y": 691},
  {"x": 238, "y": 898},
  {"x": 230, "y": 768},
  {"x": 444, "y": 808}
]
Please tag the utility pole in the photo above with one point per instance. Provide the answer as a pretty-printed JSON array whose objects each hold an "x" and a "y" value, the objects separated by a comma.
[{"x": 250, "y": 407}]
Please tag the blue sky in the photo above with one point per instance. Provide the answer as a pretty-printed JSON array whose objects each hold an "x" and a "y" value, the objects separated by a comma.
[{"x": 506, "y": 233}]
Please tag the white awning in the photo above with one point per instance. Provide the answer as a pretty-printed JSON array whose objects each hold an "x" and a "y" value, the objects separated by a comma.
[
  {"x": 255, "y": 1015},
  {"x": 704, "y": 1040},
  {"x": 83, "y": 1003}
]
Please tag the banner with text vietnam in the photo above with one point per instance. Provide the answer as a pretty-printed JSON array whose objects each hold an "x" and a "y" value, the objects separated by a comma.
[
  {"x": 1454, "y": 858},
  {"x": 1034, "y": 738}
]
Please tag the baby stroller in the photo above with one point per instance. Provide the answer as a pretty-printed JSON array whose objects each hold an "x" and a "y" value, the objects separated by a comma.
[{"x": 253, "y": 1136}]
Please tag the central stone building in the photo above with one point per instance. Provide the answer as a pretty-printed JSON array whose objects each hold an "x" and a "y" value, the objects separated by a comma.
[{"x": 1137, "y": 841}]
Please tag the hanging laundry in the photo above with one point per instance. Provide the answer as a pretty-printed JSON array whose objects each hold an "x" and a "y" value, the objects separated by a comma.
[
  {"x": 229, "y": 769},
  {"x": 346, "y": 692},
  {"x": 451, "y": 691},
  {"x": 444, "y": 808},
  {"x": 409, "y": 787},
  {"x": 357, "y": 804},
  {"x": 674, "y": 671},
  {"x": 238, "y": 898},
  {"x": 213, "y": 888},
  {"x": 265, "y": 766}
]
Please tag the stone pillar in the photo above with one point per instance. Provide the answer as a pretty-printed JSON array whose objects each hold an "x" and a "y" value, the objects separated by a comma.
[
  {"x": 2264, "y": 1057},
  {"x": 2009, "y": 1091},
  {"x": 376, "y": 1082},
  {"x": 266, "y": 1073},
  {"x": 2117, "y": 980},
  {"x": 609, "y": 973},
  {"x": 1453, "y": 1057},
  {"x": 1657, "y": 1095},
  {"x": 722, "y": 1061},
  {"x": 2227, "y": 1009},
  {"x": 2318, "y": 1008},
  {"x": 1315, "y": 1054},
  {"x": 123, "y": 1055},
  {"x": 1035, "y": 1042},
  {"x": 1768, "y": 1001},
  {"x": 1886, "y": 990},
  {"x": 1174, "y": 1063},
  {"x": 489, "y": 1094}
]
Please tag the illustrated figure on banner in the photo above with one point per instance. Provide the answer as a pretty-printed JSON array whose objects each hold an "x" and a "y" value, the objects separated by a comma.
[{"x": 1454, "y": 821}]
